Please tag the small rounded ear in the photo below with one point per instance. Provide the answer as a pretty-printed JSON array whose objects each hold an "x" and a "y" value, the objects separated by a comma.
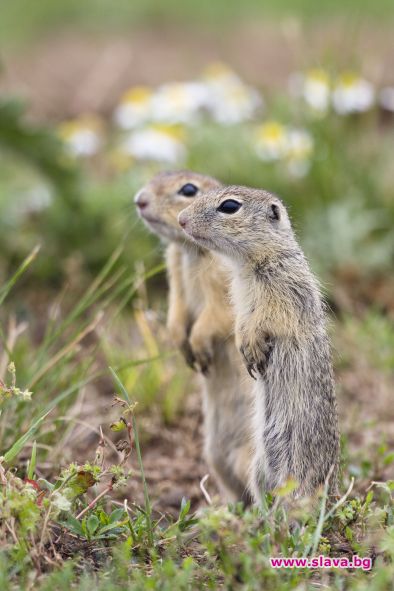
[{"x": 274, "y": 212}]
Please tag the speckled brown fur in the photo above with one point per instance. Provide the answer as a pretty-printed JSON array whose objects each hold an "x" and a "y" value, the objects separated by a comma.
[
  {"x": 281, "y": 333},
  {"x": 201, "y": 322}
]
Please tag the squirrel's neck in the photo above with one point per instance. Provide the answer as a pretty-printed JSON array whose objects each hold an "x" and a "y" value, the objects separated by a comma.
[
  {"x": 284, "y": 276},
  {"x": 193, "y": 249},
  {"x": 280, "y": 264}
]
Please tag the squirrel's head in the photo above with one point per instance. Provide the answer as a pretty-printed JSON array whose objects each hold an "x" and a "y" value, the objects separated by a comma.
[
  {"x": 239, "y": 222},
  {"x": 166, "y": 195}
]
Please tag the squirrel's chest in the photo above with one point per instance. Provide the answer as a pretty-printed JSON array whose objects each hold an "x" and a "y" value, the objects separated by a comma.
[
  {"x": 192, "y": 285},
  {"x": 250, "y": 301}
]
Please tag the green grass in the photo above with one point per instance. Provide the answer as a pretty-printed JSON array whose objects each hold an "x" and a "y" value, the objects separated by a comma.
[
  {"x": 123, "y": 546},
  {"x": 24, "y": 20},
  {"x": 59, "y": 367}
]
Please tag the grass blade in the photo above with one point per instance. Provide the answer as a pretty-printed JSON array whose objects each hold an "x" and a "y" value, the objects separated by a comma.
[
  {"x": 21, "y": 442},
  {"x": 148, "y": 508},
  {"x": 32, "y": 463},
  {"x": 4, "y": 291}
]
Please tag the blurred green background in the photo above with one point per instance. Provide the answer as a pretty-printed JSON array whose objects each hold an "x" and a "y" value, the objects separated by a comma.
[
  {"x": 23, "y": 20},
  {"x": 63, "y": 60}
]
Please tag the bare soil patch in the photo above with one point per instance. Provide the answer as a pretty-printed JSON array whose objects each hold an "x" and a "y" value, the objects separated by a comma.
[{"x": 173, "y": 454}]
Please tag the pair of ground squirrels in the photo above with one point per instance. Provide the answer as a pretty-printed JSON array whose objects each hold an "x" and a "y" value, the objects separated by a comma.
[
  {"x": 200, "y": 322},
  {"x": 280, "y": 330}
]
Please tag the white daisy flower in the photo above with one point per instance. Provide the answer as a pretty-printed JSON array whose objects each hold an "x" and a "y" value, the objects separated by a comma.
[
  {"x": 352, "y": 94},
  {"x": 218, "y": 74},
  {"x": 277, "y": 142},
  {"x": 158, "y": 143},
  {"x": 299, "y": 151},
  {"x": 179, "y": 102},
  {"x": 313, "y": 87},
  {"x": 234, "y": 104},
  {"x": 230, "y": 100},
  {"x": 386, "y": 98},
  {"x": 135, "y": 108},
  {"x": 316, "y": 90},
  {"x": 299, "y": 143},
  {"x": 83, "y": 136},
  {"x": 271, "y": 141}
]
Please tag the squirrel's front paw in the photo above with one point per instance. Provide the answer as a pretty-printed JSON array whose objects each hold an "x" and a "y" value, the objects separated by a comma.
[
  {"x": 188, "y": 354},
  {"x": 177, "y": 334},
  {"x": 178, "y": 337},
  {"x": 202, "y": 349},
  {"x": 256, "y": 355}
]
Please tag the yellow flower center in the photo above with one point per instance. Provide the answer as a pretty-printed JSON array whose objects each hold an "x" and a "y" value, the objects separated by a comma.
[
  {"x": 217, "y": 70},
  {"x": 272, "y": 132},
  {"x": 68, "y": 129},
  {"x": 318, "y": 75},
  {"x": 137, "y": 95},
  {"x": 349, "y": 79},
  {"x": 176, "y": 132}
]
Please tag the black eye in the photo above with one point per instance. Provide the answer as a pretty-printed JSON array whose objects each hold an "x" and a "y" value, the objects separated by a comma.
[
  {"x": 188, "y": 190},
  {"x": 229, "y": 206}
]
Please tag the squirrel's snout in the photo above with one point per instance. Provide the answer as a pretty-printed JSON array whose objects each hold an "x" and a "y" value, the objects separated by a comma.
[
  {"x": 142, "y": 199},
  {"x": 182, "y": 219}
]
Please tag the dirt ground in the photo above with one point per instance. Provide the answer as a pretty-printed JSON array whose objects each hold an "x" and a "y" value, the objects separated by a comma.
[
  {"x": 69, "y": 73},
  {"x": 173, "y": 454}
]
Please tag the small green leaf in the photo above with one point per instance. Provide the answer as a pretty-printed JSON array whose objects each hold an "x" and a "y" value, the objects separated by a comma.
[
  {"x": 74, "y": 526},
  {"x": 368, "y": 498},
  {"x": 185, "y": 508},
  {"x": 348, "y": 533},
  {"x": 113, "y": 527},
  {"x": 117, "y": 515},
  {"x": 104, "y": 518},
  {"x": 92, "y": 524}
]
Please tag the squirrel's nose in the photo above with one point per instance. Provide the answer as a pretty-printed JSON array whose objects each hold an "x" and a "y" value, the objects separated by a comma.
[
  {"x": 182, "y": 219},
  {"x": 141, "y": 199}
]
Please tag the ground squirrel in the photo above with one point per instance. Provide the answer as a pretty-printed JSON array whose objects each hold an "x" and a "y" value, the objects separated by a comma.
[
  {"x": 281, "y": 333},
  {"x": 201, "y": 322}
]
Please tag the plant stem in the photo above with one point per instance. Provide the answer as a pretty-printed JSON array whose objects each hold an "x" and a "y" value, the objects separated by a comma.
[
  {"x": 96, "y": 500},
  {"x": 148, "y": 508}
]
